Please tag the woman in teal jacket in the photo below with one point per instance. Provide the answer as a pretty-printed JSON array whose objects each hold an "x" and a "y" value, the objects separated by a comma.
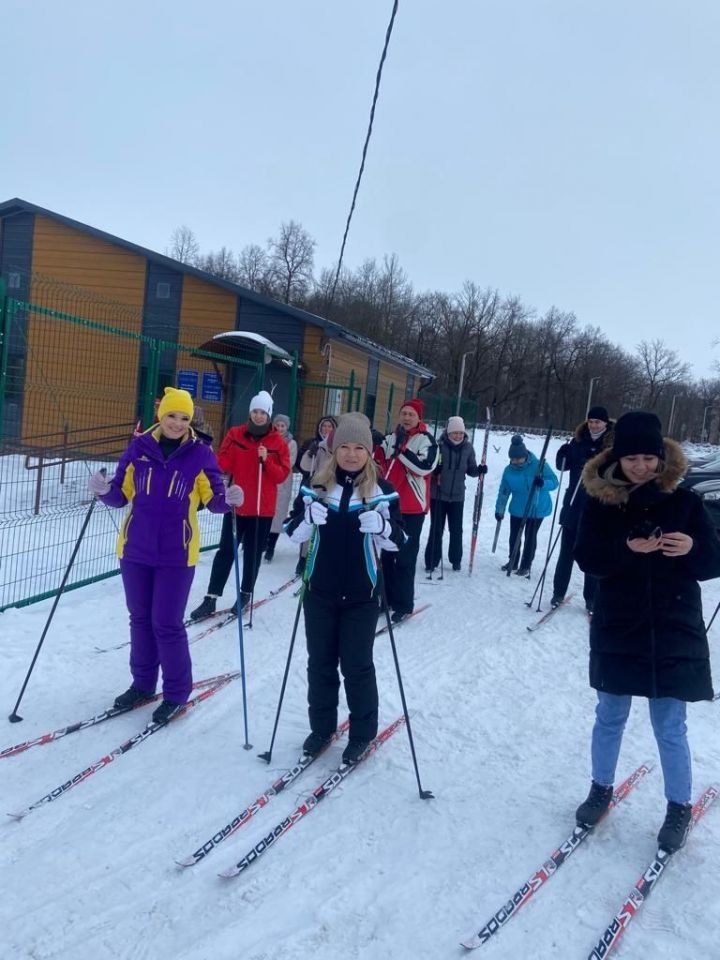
[{"x": 520, "y": 482}]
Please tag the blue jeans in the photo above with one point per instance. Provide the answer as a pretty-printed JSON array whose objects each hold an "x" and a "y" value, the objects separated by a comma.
[{"x": 667, "y": 716}]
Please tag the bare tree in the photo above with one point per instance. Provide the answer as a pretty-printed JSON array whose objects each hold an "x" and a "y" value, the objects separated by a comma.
[
  {"x": 222, "y": 264},
  {"x": 183, "y": 246},
  {"x": 254, "y": 270},
  {"x": 661, "y": 368},
  {"x": 291, "y": 257}
]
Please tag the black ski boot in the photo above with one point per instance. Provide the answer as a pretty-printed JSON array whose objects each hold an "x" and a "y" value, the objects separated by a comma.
[
  {"x": 674, "y": 831},
  {"x": 131, "y": 697},
  {"x": 557, "y": 602},
  {"x": 314, "y": 744},
  {"x": 398, "y": 616},
  {"x": 206, "y": 609},
  {"x": 354, "y": 750},
  {"x": 523, "y": 572},
  {"x": 594, "y": 806},
  {"x": 457, "y": 567},
  {"x": 269, "y": 554},
  {"x": 505, "y": 567},
  {"x": 166, "y": 711}
]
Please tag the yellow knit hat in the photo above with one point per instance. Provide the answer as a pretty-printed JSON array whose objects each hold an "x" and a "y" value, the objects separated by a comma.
[{"x": 176, "y": 401}]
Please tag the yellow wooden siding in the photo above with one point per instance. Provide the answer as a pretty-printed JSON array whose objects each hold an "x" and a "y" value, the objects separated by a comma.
[
  {"x": 78, "y": 376},
  {"x": 389, "y": 374}
]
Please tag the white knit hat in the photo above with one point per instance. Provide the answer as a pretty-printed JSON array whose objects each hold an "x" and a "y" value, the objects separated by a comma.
[
  {"x": 455, "y": 424},
  {"x": 263, "y": 401}
]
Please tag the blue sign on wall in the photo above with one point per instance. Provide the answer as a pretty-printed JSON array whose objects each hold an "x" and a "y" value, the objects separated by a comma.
[
  {"x": 211, "y": 387},
  {"x": 188, "y": 380}
]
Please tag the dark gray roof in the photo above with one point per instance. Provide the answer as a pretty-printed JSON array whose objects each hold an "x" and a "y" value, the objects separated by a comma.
[{"x": 16, "y": 205}]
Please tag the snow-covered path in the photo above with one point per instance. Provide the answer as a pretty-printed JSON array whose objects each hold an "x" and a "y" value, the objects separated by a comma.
[{"x": 501, "y": 720}]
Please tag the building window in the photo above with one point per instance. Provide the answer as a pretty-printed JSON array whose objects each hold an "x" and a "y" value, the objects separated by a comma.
[
  {"x": 334, "y": 402},
  {"x": 162, "y": 291},
  {"x": 14, "y": 281},
  {"x": 410, "y": 387}
]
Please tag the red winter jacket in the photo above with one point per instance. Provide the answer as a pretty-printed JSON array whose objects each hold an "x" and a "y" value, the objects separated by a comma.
[
  {"x": 409, "y": 466},
  {"x": 238, "y": 456}
]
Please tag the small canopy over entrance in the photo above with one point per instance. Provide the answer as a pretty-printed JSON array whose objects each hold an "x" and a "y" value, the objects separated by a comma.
[{"x": 247, "y": 345}]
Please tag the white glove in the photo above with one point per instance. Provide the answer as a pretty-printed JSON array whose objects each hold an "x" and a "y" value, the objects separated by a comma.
[
  {"x": 315, "y": 512},
  {"x": 98, "y": 484},
  {"x": 372, "y": 522},
  {"x": 234, "y": 497}
]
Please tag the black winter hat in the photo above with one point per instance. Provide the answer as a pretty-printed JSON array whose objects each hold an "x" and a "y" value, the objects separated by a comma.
[
  {"x": 638, "y": 432},
  {"x": 598, "y": 413},
  {"x": 517, "y": 448}
]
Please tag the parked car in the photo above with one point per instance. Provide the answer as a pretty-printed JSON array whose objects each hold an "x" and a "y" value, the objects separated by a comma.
[
  {"x": 707, "y": 472},
  {"x": 709, "y": 493}
]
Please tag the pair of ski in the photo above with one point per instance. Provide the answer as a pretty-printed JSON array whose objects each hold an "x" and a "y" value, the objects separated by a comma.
[
  {"x": 543, "y": 874},
  {"x": 324, "y": 788},
  {"x": 217, "y": 620},
  {"x": 211, "y": 688},
  {"x": 532, "y": 627},
  {"x": 396, "y": 626}
]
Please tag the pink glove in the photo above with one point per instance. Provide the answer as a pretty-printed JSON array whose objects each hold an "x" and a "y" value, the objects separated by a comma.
[
  {"x": 234, "y": 497},
  {"x": 98, "y": 484}
]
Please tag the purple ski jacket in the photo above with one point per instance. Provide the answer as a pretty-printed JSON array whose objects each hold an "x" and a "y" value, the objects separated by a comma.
[{"x": 161, "y": 528}]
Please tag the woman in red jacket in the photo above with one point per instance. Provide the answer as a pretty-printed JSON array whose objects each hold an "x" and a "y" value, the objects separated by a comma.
[{"x": 256, "y": 452}]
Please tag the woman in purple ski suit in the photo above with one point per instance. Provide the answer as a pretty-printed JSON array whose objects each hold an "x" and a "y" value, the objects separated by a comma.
[{"x": 164, "y": 474}]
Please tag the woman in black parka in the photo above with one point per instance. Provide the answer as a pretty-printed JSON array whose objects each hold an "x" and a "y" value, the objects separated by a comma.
[{"x": 648, "y": 543}]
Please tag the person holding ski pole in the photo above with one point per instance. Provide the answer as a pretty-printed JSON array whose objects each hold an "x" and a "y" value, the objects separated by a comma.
[
  {"x": 447, "y": 493},
  {"x": 591, "y": 436},
  {"x": 529, "y": 495},
  {"x": 164, "y": 474},
  {"x": 312, "y": 456},
  {"x": 281, "y": 422},
  {"x": 348, "y": 515},
  {"x": 648, "y": 542},
  {"x": 257, "y": 458},
  {"x": 407, "y": 458}
]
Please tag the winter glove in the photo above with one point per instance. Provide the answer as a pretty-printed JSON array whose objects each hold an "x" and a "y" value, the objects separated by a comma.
[
  {"x": 312, "y": 447},
  {"x": 482, "y": 469},
  {"x": 315, "y": 512},
  {"x": 234, "y": 497},
  {"x": 539, "y": 482},
  {"x": 98, "y": 484},
  {"x": 499, "y": 517},
  {"x": 562, "y": 455},
  {"x": 372, "y": 522},
  {"x": 400, "y": 438}
]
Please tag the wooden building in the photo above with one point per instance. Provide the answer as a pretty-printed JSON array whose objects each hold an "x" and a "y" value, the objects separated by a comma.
[{"x": 67, "y": 269}]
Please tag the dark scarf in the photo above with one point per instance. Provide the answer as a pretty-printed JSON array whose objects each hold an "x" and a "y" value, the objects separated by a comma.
[{"x": 255, "y": 431}]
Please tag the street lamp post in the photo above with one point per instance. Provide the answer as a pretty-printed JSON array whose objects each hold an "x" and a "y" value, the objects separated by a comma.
[
  {"x": 671, "y": 421},
  {"x": 593, "y": 381},
  {"x": 703, "y": 435},
  {"x": 462, "y": 378}
]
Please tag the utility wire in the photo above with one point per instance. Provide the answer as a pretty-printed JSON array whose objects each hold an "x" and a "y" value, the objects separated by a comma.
[{"x": 378, "y": 77}]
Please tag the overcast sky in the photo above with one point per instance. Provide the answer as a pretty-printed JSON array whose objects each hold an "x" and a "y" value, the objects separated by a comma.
[{"x": 562, "y": 150}]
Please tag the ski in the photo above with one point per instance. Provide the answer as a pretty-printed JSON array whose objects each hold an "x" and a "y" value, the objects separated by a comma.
[
  {"x": 408, "y": 618},
  {"x": 108, "y": 714},
  {"x": 309, "y": 804},
  {"x": 541, "y": 876},
  {"x": 532, "y": 627},
  {"x": 249, "y": 812},
  {"x": 477, "y": 505},
  {"x": 149, "y": 730},
  {"x": 645, "y": 886}
]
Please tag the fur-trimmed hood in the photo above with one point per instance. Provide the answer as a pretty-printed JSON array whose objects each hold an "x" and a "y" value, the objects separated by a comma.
[
  {"x": 603, "y": 489},
  {"x": 581, "y": 430}
]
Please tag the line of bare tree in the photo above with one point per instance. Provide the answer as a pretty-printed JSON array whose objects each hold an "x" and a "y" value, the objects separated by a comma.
[{"x": 534, "y": 369}]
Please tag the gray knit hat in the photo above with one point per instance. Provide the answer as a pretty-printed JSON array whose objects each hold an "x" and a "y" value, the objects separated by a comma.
[
  {"x": 283, "y": 418},
  {"x": 352, "y": 428}
]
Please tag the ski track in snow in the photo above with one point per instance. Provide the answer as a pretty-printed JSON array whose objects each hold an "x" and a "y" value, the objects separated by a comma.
[{"x": 501, "y": 720}]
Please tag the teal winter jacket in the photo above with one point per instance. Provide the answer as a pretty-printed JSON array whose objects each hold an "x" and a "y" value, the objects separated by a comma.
[{"x": 517, "y": 484}]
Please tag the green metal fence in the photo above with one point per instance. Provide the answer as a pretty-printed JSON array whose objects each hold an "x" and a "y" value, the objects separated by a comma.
[
  {"x": 440, "y": 406},
  {"x": 72, "y": 390}
]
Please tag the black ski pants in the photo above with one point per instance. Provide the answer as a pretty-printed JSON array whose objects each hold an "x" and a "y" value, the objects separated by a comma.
[
  {"x": 526, "y": 554},
  {"x": 399, "y": 567},
  {"x": 440, "y": 511},
  {"x": 341, "y": 632},
  {"x": 252, "y": 533},
  {"x": 563, "y": 569}
]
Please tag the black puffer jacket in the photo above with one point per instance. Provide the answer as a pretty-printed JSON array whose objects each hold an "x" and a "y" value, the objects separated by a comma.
[
  {"x": 647, "y": 636},
  {"x": 572, "y": 456},
  {"x": 457, "y": 460}
]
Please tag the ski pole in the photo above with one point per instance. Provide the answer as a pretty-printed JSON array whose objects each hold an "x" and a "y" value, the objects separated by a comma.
[
  {"x": 712, "y": 618},
  {"x": 555, "y": 542},
  {"x": 238, "y": 607},
  {"x": 477, "y": 505},
  {"x": 552, "y": 529},
  {"x": 256, "y": 545},
  {"x": 14, "y": 716},
  {"x": 424, "y": 794},
  {"x": 498, "y": 524},
  {"x": 267, "y": 756}
]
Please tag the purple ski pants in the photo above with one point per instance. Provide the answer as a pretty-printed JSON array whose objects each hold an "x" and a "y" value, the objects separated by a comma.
[{"x": 156, "y": 598}]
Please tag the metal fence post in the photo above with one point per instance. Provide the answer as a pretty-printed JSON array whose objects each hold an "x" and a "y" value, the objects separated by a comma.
[
  {"x": 388, "y": 421},
  {"x": 4, "y": 346},
  {"x": 292, "y": 405},
  {"x": 351, "y": 391},
  {"x": 151, "y": 384}
]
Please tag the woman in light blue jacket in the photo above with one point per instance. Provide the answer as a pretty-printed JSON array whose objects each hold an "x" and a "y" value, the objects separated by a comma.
[{"x": 520, "y": 482}]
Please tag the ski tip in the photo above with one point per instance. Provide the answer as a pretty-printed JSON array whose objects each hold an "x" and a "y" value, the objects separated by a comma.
[
  {"x": 186, "y": 862},
  {"x": 19, "y": 815},
  {"x": 229, "y": 873},
  {"x": 472, "y": 943}
]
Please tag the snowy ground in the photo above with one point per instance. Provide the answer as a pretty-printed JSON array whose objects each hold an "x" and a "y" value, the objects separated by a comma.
[{"x": 501, "y": 719}]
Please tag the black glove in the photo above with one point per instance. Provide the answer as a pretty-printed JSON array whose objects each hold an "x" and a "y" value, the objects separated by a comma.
[
  {"x": 400, "y": 436},
  {"x": 499, "y": 516},
  {"x": 482, "y": 469},
  {"x": 312, "y": 447},
  {"x": 538, "y": 482},
  {"x": 562, "y": 455}
]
